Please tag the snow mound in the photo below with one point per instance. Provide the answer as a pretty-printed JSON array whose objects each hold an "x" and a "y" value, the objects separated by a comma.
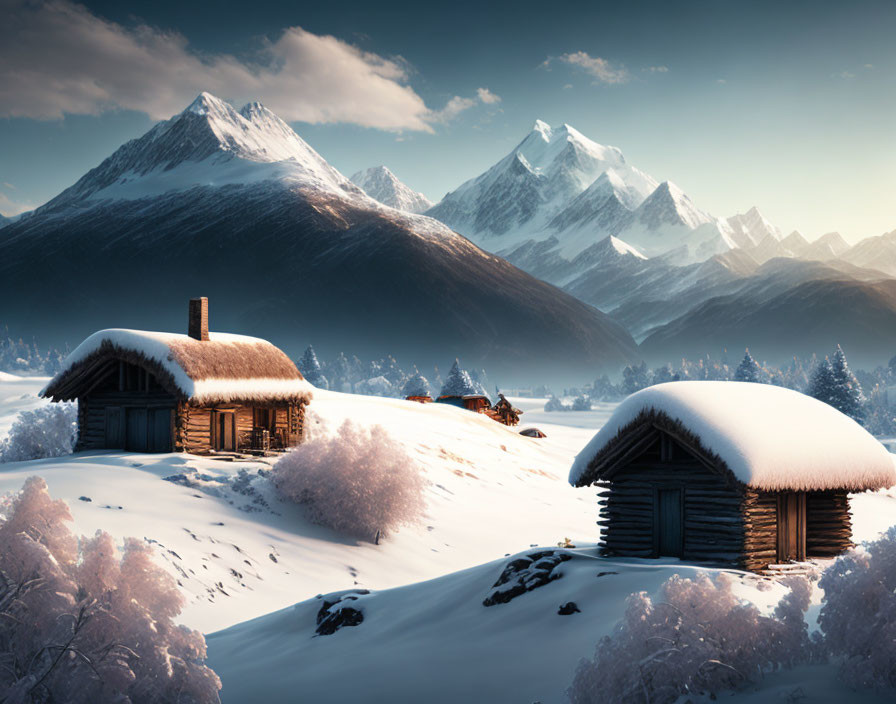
[{"x": 771, "y": 438}]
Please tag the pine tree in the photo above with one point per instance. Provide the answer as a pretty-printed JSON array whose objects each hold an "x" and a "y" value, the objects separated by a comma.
[
  {"x": 846, "y": 392},
  {"x": 417, "y": 385},
  {"x": 748, "y": 369},
  {"x": 821, "y": 383},
  {"x": 310, "y": 368},
  {"x": 458, "y": 383}
]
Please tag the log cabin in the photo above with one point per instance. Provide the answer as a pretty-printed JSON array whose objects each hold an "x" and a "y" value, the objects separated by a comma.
[
  {"x": 202, "y": 392},
  {"x": 737, "y": 474},
  {"x": 505, "y": 412}
]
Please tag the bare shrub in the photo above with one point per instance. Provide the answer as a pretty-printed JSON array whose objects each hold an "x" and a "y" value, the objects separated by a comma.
[
  {"x": 359, "y": 482},
  {"x": 858, "y": 614},
  {"x": 48, "y": 431},
  {"x": 697, "y": 638},
  {"x": 85, "y": 624}
]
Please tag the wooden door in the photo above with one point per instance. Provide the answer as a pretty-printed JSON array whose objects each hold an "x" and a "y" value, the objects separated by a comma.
[
  {"x": 160, "y": 430},
  {"x": 114, "y": 428},
  {"x": 225, "y": 431},
  {"x": 135, "y": 432},
  {"x": 670, "y": 523},
  {"x": 791, "y": 526}
]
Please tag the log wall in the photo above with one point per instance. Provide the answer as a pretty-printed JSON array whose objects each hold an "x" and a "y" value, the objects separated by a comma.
[
  {"x": 92, "y": 412},
  {"x": 713, "y": 528},
  {"x": 194, "y": 432},
  {"x": 828, "y": 523},
  {"x": 760, "y": 517}
]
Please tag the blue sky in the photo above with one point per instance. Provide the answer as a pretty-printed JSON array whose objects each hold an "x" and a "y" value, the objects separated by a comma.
[{"x": 788, "y": 106}]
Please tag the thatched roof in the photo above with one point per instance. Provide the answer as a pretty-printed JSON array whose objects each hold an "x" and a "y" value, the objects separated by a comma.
[
  {"x": 225, "y": 368},
  {"x": 767, "y": 437}
]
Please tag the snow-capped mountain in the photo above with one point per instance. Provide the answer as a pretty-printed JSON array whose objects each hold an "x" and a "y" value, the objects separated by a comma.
[
  {"x": 520, "y": 195},
  {"x": 877, "y": 252},
  {"x": 750, "y": 228},
  {"x": 558, "y": 185},
  {"x": 381, "y": 184},
  {"x": 828, "y": 246},
  {"x": 234, "y": 205},
  {"x": 208, "y": 144}
]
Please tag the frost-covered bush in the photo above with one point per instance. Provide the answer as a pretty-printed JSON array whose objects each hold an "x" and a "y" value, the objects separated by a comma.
[
  {"x": 375, "y": 386},
  {"x": 82, "y": 623},
  {"x": 696, "y": 638},
  {"x": 49, "y": 431},
  {"x": 359, "y": 482},
  {"x": 858, "y": 615}
]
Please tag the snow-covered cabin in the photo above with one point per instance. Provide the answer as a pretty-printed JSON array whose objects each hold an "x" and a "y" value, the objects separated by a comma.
[
  {"x": 737, "y": 473},
  {"x": 200, "y": 392}
]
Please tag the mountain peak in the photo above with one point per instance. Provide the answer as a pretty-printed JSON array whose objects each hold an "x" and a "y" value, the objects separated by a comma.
[
  {"x": 206, "y": 103},
  {"x": 209, "y": 143},
  {"x": 542, "y": 128},
  {"x": 669, "y": 205},
  {"x": 382, "y": 185}
]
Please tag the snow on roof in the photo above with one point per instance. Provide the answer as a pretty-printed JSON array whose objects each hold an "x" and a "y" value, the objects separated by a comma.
[
  {"x": 222, "y": 369},
  {"x": 770, "y": 437}
]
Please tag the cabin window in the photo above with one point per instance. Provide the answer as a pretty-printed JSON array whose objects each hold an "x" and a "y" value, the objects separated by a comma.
[{"x": 263, "y": 418}]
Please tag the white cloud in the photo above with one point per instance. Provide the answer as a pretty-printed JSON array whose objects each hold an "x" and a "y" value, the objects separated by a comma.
[
  {"x": 869, "y": 66},
  {"x": 60, "y": 58},
  {"x": 599, "y": 69},
  {"x": 457, "y": 105},
  {"x": 452, "y": 109},
  {"x": 487, "y": 97},
  {"x": 845, "y": 75},
  {"x": 656, "y": 69},
  {"x": 721, "y": 81}
]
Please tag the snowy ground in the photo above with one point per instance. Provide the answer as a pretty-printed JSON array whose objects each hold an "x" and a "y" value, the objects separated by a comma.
[
  {"x": 240, "y": 553},
  {"x": 244, "y": 558}
]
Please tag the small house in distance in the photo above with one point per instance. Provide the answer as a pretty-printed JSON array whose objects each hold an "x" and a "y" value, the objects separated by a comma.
[
  {"x": 460, "y": 390},
  {"x": 505, "y": 412},
  {"x": 740, "y": 474},
  {"x": 200, "y": 392}
]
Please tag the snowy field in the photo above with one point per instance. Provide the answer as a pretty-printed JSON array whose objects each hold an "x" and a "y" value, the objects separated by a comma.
[{"x": 253, "y": 568}]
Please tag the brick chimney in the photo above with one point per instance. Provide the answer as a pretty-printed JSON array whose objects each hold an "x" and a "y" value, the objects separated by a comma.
[{"x": 198, "y": 329}]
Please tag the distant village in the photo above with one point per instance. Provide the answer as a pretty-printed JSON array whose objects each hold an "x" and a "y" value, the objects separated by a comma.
[{"x": 871, "y": 401}]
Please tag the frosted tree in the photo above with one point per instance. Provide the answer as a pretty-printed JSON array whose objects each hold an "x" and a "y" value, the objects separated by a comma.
[
  {"x": 846, "y": 392},
  {"x": 821, "y": 382},
  {"x": 697, "y": 638},
  {"x": 858, "y": 614},
  {"x": 635, "y": 378},
  {"x": 83, "y": 622},
  {"x": 49, "y": 431},
  {"x": 360, "y": 482},
  {"x": 339, "y": 373},
  {"x": 748, "y": 369},
  {"x": 459, "y": 383},
  {"x": 310, "y": 368},
  {"x": 416, "y": 385}
]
